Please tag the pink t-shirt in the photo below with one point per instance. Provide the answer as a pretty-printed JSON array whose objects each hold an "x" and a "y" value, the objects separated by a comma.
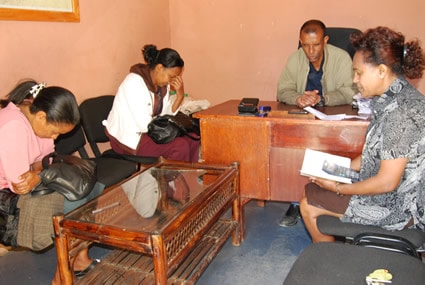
[{"x": 19, "y": 146}]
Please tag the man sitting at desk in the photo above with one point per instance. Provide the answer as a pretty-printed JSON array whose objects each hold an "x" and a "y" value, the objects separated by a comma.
[{"x": 317, "y": 74}]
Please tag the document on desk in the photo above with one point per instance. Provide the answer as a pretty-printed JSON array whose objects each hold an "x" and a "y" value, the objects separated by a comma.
[{"x": 338, "y": 117}]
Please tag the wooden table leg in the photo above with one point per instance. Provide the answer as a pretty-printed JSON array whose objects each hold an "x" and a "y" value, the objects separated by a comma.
[
  {"x": 159, "y": 260},
  {"x": 61, "y": 241},
  {"x": 238, "y": 234}
]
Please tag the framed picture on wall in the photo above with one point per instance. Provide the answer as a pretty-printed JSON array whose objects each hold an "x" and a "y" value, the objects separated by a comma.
[{"x": 40, "y": 10}]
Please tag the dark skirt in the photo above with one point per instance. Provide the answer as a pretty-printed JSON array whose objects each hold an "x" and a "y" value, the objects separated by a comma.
[
  {"x": 181, "y": 148},
  {"x": 326, "y": 199}
]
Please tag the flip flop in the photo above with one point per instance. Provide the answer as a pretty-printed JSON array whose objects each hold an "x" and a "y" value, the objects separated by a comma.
[{"x": 81, "y": 273}]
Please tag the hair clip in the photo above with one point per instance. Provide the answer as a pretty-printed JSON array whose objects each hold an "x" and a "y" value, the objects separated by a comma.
[
  {"x": 404, "y": 52},
  {"x": 37, "y": 88}
]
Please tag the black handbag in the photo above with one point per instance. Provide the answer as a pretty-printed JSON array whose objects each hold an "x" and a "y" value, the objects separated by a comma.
[
  {"x": 9, "y": 217},
  {"x": 69, "y": 175},
  {"x": 164, "y": 129}
]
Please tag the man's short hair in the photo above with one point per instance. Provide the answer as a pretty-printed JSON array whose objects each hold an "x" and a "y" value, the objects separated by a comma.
[{"x": 312, "y": 26}]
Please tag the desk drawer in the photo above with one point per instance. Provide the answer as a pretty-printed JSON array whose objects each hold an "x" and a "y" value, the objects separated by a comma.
[{"x": 336, "y": 137}]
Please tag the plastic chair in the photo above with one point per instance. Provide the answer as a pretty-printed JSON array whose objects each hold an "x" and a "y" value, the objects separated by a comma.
[
  {"x": 109, "y": 170},
  {"x": 352, "y": 233},
  {"x": 339, "y": 263},
  {"x": 93, "y": 111},
  {"x": 340, "y": 37},
  {"x": 363, "y": 250}
]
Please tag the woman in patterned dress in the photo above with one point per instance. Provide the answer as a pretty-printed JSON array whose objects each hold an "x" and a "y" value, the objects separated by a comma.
[{"x": 392, "y": 172}]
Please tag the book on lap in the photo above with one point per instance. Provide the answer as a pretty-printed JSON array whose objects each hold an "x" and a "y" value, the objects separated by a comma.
[{"x": 313, "y": 165}]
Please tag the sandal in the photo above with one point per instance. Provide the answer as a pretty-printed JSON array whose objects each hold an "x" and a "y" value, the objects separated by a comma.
[{"x": 81, "y": 273}]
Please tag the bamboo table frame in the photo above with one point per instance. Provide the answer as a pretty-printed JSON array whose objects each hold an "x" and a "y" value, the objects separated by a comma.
[{"x": 192, "y": 233}]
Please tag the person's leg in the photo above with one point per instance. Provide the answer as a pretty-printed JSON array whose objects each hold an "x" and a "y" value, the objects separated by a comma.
[
  {"x": 79, "y": 263},
  {"x": 194, "y": 146},
  {"x": 4, "y": 249},
  {"x": 82, "y": 261},
  {"x": 291, "y": 216},
  {"x": 179, "y": 149},
  {"x": 310, "y": 214},
  {"x": 317, "y": 202}
]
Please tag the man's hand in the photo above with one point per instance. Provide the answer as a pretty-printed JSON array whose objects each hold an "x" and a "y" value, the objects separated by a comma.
[
  {"x": 309, "y": 98},
  {"x": 30, "y": 179}
]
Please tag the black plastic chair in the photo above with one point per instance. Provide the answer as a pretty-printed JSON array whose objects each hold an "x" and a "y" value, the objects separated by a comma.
[
  {"x": 93, "y": 111},
  {"x": 340, "y": 263},
  {"x": 354, "y": 233},
  {"x": 363, "y": 249},
  {"x": 109, "y": 170},
  {"x": 340, "y": 37}
]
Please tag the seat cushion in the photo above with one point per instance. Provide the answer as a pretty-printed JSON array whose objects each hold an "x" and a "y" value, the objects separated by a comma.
[
  {"x": 340, "y": 263},
  {"x": 333, "y": 226},
  {"x": 110, "y": 171}
]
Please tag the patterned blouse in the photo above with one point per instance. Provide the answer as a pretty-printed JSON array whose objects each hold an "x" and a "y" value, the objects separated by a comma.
[{"x": 397, "y": 130}]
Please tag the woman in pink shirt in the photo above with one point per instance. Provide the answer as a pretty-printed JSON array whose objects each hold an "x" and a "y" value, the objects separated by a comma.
[{"x": 27, "y": 132}]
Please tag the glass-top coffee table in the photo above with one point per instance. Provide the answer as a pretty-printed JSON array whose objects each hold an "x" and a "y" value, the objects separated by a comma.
[{"x": 166, "y": 224}]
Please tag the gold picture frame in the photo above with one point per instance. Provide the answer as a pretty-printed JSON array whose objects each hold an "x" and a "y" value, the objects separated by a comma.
[{"x": 22, "y": 10}]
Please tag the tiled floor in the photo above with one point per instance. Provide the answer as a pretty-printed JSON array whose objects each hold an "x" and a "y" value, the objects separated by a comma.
[{"x": 263, "y": 258}]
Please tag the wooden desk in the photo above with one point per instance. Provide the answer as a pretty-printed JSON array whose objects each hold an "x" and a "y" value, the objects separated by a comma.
[{"x": 270, "y": 149}]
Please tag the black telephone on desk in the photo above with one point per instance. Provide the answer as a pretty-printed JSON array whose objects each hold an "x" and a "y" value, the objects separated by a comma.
[{"x": 248, "y": 105}]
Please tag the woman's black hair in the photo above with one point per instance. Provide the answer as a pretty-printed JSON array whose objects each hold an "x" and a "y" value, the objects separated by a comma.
[
  {"x": 58, "y": 103},
  {"x": 168, "y": 57},
  {"x": 382, "y": 45},
  {"x": 20, "y": 93}
]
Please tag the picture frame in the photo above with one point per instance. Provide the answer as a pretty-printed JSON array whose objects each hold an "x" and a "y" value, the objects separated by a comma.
[{"x": 44, "y": 10}]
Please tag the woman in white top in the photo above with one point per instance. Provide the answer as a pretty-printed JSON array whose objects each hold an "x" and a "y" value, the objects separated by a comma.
[{"x": 144, "y": 94}]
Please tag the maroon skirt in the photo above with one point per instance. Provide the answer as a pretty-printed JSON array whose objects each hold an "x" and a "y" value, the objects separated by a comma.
[{"x": 181, "y": 148}]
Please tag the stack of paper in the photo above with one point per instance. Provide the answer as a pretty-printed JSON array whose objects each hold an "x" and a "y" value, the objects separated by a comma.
[{"x": 339, "y": 117}]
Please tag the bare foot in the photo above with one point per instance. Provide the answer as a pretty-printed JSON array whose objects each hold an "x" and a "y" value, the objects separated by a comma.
[
  {"x": 56, "y": 279},
  {"x": 79, "y": 263},
  {"x": 4, "y": 249},
  {"x": 82, "y": 260}
]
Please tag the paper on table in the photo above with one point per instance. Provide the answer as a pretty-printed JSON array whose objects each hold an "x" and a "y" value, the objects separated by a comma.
[
  {"x": 313, "y": 163},
  {"x": 338, "y": 117}
]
